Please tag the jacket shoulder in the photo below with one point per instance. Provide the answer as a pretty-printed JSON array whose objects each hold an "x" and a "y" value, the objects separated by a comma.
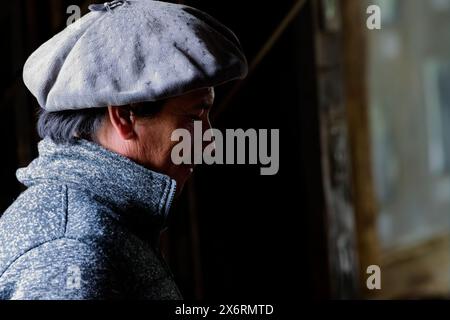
[
  {"x": 61, "y": 269},
  {"x": 39, "y": 215}
]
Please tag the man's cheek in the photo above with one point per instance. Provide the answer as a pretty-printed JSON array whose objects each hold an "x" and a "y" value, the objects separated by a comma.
[{"x": 182, "y": 144}]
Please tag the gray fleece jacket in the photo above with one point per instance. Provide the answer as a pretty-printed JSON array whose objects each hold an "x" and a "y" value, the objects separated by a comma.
[{"x": 87, "y": 227}]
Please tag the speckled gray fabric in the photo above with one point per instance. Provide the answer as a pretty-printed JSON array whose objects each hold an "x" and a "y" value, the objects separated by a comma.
[
  {"x": 87, "y": 227},
  {"x": 141, "y": 50}
]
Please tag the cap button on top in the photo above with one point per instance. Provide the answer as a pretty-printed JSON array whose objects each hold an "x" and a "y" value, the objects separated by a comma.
[{"x": 107, "y": 6}]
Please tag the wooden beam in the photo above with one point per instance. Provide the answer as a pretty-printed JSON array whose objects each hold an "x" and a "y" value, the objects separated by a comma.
[{"x": 355, "y": 61}]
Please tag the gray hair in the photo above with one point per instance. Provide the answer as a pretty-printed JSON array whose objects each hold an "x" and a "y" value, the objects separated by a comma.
[{"x": 68, "y": 126}]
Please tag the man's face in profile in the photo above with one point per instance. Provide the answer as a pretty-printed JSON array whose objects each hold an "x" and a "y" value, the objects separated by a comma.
[{"x": 154, "y": 144}]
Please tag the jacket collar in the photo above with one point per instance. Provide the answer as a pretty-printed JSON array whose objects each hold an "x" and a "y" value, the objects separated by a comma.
[{"x": 121, "y": 183}]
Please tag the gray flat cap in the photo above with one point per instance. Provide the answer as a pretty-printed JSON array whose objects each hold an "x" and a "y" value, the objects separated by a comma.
[{"x": 126, "y": 52}]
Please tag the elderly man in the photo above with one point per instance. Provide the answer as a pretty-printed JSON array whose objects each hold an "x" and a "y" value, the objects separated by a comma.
[{"x": 112, "y": 88}]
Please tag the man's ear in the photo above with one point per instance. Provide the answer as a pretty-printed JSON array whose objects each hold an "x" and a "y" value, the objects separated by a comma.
[{"x": 123, "y": 121}]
